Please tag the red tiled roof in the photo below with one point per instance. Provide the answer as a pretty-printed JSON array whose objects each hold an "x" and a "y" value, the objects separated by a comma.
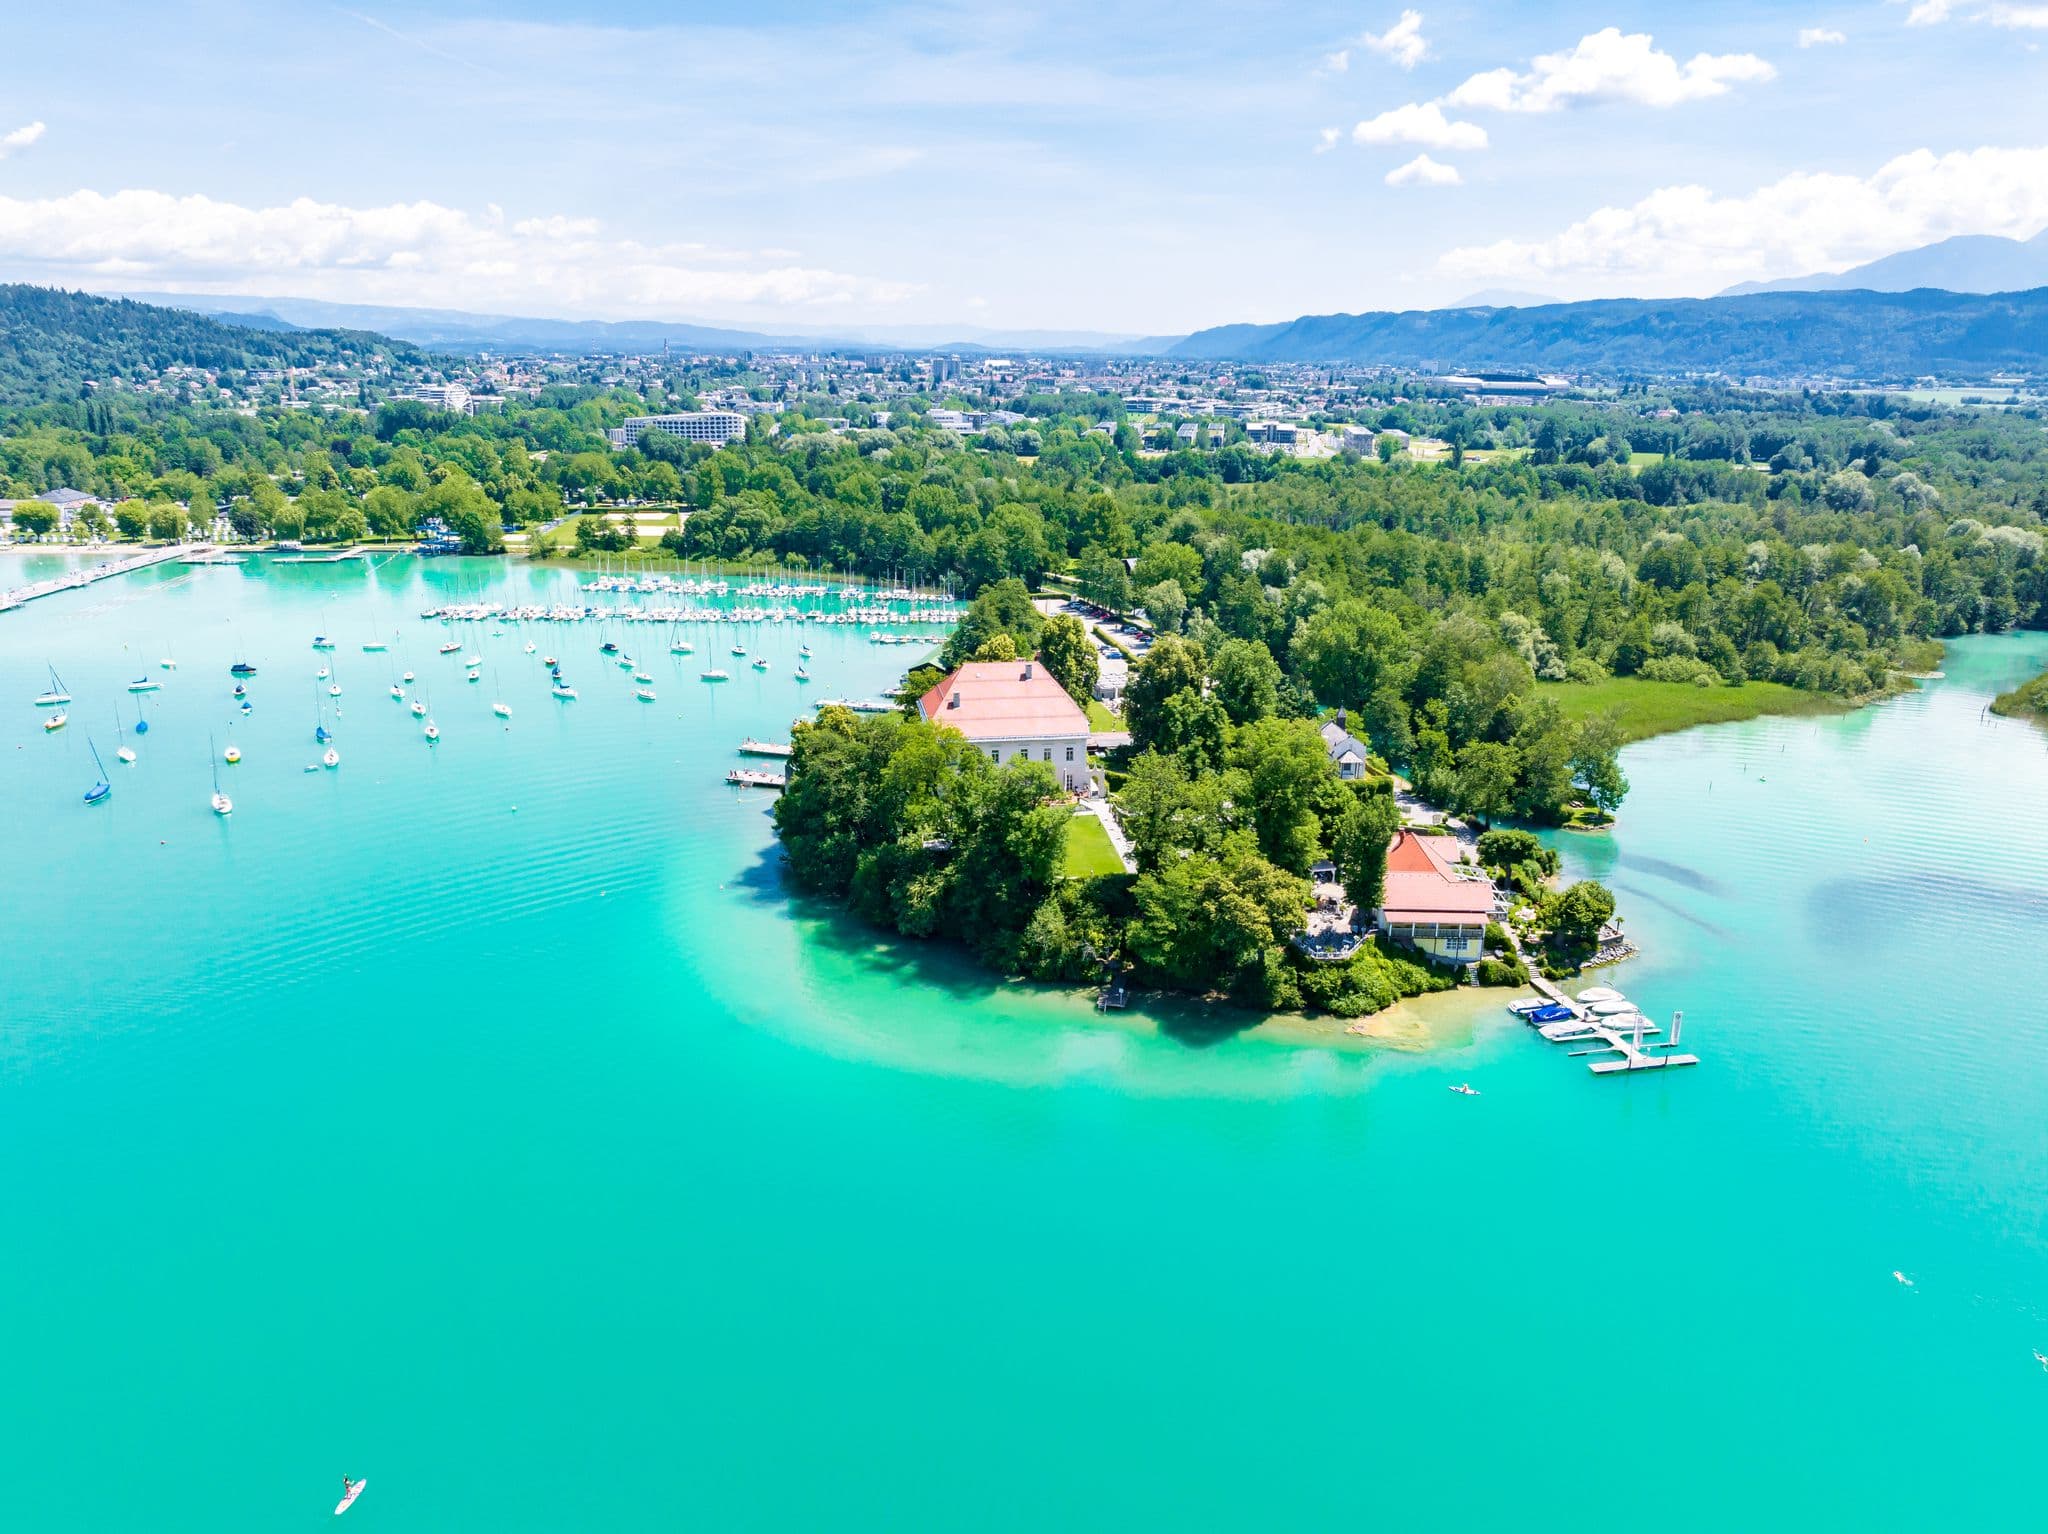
[
  {"x": 1004, "y": 700},
  {"x": 1422, "y": 888}
]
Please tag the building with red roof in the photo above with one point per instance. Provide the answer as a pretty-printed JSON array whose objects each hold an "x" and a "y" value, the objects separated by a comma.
[
  {"x": 1434, "y": 902},
  {"x": 1014, "y": 709}
]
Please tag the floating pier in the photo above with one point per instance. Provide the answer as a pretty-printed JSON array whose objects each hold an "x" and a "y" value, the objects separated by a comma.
[
  {"x": 748, "y": 777},
  {"x": 22, "y": 595},
  {"x": 1627, "y": 1036},
  {"x": 753, "y": 747}
]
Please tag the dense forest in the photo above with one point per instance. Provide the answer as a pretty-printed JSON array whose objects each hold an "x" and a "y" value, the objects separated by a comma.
[
  {"x": 55, "y": 344},
  {"x": 1862, "y": 335}
]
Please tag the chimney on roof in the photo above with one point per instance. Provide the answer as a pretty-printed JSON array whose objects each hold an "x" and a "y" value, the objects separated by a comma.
[
  {"x": 1340, "y": 718},
  {"x": 953, "y": 699},
  {"x": 1027, "y": 671}
]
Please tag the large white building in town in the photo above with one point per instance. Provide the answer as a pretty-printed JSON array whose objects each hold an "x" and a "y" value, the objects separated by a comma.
[
  {"x": 716, "y": 427},
  {"x": 449, "y": 396},
  {"x": 1013, "y": 709}
]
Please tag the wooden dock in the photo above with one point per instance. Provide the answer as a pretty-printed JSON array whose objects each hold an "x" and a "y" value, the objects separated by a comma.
[
  {"x": 21, "y": 596},
  {"x": 748, "y": 777},
  {"x": 1632, "y": 1044},
  {"x": 753, "y": 747}
]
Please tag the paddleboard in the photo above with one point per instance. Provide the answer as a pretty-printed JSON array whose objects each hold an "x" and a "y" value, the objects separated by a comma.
[{"x": 353, "y": 1492}]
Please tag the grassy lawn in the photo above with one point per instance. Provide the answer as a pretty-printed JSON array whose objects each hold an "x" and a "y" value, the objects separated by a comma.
[
  {"x": 1088, "y": 850},
  {"x": 1100, "y": 719},
  {"x": 1658, "y": 708}
]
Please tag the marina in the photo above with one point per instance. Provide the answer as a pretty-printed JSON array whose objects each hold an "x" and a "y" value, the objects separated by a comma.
[{"x": 1605, "y": 1019}]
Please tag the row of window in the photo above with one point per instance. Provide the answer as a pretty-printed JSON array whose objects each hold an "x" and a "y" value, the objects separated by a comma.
[{"x": 995, "y": 753}]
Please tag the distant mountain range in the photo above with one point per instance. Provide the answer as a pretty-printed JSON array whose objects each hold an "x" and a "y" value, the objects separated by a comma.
[
  {"x": 1969, "y": 263},
  {"x": 1858, "y": 335},
  {"x": 456, "y": 330}
]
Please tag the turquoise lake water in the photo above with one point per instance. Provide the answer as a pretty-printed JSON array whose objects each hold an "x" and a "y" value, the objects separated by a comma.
[{"x": 480, "y": 1119}]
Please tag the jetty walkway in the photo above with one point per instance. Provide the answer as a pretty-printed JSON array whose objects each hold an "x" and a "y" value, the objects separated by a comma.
[
  {"x": 1623, "y": 1037},
  {"x": 21, "y": 596}
]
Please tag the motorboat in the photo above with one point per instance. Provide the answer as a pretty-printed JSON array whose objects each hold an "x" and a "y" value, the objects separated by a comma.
[
  {"x": 450, "y": 647},
  {"x": 1620, "y": 1006},
  {"x": 1465, "y": 1089},
  {"x": 125, "y": 754},
  {"x": 1599, "y": 993},
  {"x": 432, "y": 732},
  {"x": 241, "y": 668},
  {"x": 56, "y": 721}
]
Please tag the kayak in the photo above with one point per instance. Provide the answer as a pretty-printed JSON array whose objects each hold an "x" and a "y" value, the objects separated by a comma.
[{"x": 353, "y": 1492}]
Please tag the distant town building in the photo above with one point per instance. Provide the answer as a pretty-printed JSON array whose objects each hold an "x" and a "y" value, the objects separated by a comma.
[
  {"x": 453, "y": 396},
  {"x": 1012, "y": 710},
  {"x": 717, "y": 427}
]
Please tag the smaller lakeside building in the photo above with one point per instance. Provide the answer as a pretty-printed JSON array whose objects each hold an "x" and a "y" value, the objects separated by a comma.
[
  {"x": 1013, "y": 709},
  {"x": 1433, "y": 902}
]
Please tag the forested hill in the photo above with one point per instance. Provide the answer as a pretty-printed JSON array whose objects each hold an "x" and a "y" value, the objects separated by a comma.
[
  {"x": 1859, "y": 335},
  {"x": 52, "y": 342}
]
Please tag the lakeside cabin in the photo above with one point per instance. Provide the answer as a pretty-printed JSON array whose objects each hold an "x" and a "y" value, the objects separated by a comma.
[
  {"x": 1013, "y": 709},
  {"x": 1433, "y": 902}
]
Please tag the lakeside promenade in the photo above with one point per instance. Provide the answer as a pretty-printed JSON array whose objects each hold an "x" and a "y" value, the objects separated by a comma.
[{"x": 21, "y": 596}]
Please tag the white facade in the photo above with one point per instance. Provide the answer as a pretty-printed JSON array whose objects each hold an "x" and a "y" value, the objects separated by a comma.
[
  {"x": 452, "y": 396},
  {"x": 1066, "y": 755},
  {"x": 717, "y": 427}
]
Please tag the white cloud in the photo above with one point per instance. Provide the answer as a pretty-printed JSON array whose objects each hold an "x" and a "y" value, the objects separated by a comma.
[
  {"x": 1610, "y": 65},
  {"x": 1929, "y": 13},
  {"x": 1419, "y": 122},
  {"x": 1819, "y": 37},
  {"x": 1683, "y": 239},
  {"x": 20, "y": 138},
  {"x": 2033, "y": 18},
  {"x": 1423, "y": 171},
  {"x": 1328, "y": 139},
  {"x": 418, "y": 252},
  {"x": 1336, "y": 63},
  {"x": 1402, "y": 43}
]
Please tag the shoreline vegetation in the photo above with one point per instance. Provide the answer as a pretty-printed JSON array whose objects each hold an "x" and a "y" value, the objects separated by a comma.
[
  {"x": 2029, "y": 700},
  {"x": 1489, "y": 598}
]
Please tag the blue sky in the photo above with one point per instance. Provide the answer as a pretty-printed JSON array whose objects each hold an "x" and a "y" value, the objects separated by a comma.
[{"x": 1134, "y": 167}]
